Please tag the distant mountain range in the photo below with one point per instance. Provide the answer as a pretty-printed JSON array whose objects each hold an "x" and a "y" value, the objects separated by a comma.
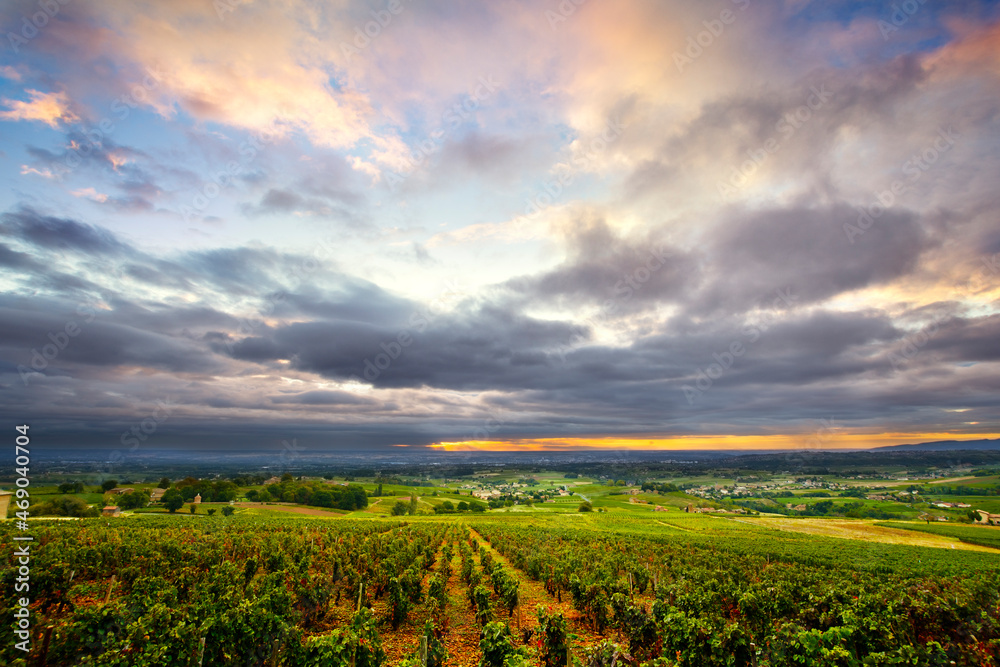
[{"x": 945, "y": 446}]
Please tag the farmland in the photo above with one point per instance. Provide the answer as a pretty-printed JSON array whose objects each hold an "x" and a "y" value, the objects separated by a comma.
[
  {"x": 515, "y": 566},
  {"x": 685, "y": 589}
]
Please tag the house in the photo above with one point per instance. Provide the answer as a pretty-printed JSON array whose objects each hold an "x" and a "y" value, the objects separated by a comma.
[
  {"x": 988, "y": 519},
  {"x": 121, "y": 491},
  {"x": 5, "y": 497},
  {"x": 111, "y": 510},
  {"x": 797, "y": 508},
  {"x": 659, "y": 508},
  {"x": 156, "y": 494},
  {"x": 197, "y": 499}
]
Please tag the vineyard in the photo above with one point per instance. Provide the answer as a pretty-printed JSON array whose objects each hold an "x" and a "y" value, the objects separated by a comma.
[{"x": 494, "y": 591}]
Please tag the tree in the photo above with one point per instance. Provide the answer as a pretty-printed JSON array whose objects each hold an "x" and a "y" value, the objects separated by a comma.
[
  {"x": 287, "y": 477},
  {"x": 448, "y": 506},
  {"x": 71, "y": 487},
  {"x": 164, "y": 483},
  {"x": 172, "y": 500},
  {"x": 211, "y": 511},
  {"x": 193, "y": 508},
  {"x": 65, "y": 506},
  {"x": 108, "y": 484},
  {"x": 412, "y": 509},
  {"x": 463, "y": 506},
  {"x": 227, "y": 511},
  {"x": 585, "y": 506},
  {"x": 400, "y": 508},
  {"x": 134, "y": 500}
]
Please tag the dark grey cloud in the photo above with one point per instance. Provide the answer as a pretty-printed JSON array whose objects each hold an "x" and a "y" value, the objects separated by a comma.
[
  {"x": 322, "y": 398},
  {"x": 613, "y": 272},
  {"x": 751, "y": 257},
  {"x": 781, "y": 257},
  {"x": 797, "y": 362},
  {"x": 53, "y": 233},
  {"x": 16, "y": 260}
]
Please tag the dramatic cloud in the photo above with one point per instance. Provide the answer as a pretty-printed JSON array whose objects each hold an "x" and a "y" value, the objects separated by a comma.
[{"x": 617, "y": 224}]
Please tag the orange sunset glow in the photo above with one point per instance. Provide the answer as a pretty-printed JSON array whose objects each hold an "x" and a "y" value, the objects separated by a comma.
[{"x": 823, "y": 440}]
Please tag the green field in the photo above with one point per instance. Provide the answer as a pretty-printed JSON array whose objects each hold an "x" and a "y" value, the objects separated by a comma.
[
  {"x": 684, "y": 589},
  {"x": 986, "y": 536}
]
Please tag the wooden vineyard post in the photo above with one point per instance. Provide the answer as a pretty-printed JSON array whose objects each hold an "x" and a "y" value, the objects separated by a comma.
[
  {"x": 423, "y": 651},
  {"x": 361, "y": 595},
  {"x": 274, "y": 654},
  {"x": 43, "y": 658},
  {"x": 107, "y": 597},
  {"x": 201, "y": 651}
]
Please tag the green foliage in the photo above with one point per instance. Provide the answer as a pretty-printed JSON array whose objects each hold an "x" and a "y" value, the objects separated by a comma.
[
  {"x": 400, "y": 508},
  {"x": 585, "y": 506},
  {"x": 730, "y": 593},
  {"x": 506, "y": 588},
  {"x": 481, "y": 601},
  {"x": 436, "y": 592},
  {"x": 164, "y": 483},
  {"x": 399, "y": 602},
  {"x": 133, "y": 500},
  {"x": 71, "y": 487},
  {"x": 64, "y": 506},
  {"x": 172, "y": 500},
  {"x": 108, "y": 484},
  {"x": 496, "y": 646},
  {"x": 553, "y": 642},
  {"x": 437, "y": 652},
  {"x": 609, "y": 654},
  {"x": 228, "y": 510},
  {"x": 359, "y": 641}
]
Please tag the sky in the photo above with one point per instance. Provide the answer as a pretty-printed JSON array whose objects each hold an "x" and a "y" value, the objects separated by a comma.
[{"x": 516, "y": 226}]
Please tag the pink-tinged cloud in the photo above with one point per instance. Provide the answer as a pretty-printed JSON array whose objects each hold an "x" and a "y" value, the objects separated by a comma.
[{"x": 53, "y": 109}]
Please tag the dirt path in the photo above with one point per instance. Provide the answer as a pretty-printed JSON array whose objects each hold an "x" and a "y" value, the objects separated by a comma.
[
  {"x": 462, "y": 639},
  {"x": 533, "y": 593}
]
